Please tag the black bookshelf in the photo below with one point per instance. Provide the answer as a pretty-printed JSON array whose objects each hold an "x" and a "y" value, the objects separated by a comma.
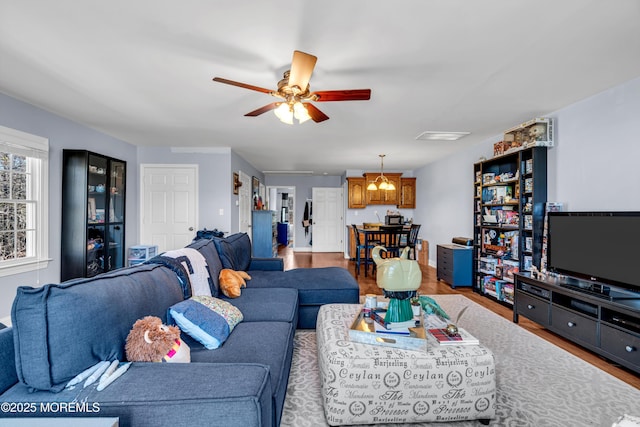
[{"x": 510, "y": 193}]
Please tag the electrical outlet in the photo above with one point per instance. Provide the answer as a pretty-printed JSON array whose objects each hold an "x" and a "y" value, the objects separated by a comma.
[{"x": 221, "y": 212}]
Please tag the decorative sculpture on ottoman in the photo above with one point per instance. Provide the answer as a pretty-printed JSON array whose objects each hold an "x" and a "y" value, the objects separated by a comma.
[{"x": 399, "y": 279}]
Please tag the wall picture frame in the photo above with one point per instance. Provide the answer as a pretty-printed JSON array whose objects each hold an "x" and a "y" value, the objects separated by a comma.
[{"x": 236, "y": 183}]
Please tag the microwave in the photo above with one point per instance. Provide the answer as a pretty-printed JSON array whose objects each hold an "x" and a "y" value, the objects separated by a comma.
[{"x": 393, "y": 220}]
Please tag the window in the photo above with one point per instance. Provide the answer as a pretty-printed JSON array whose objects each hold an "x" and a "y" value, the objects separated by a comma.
[{"x": 23, "y": 202}]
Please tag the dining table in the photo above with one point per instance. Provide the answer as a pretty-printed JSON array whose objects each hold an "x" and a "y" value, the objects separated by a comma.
[{"x": 392, "y": 237}]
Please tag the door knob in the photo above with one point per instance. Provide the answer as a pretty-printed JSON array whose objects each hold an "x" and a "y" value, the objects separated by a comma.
[{"x": 190, "y": 228}]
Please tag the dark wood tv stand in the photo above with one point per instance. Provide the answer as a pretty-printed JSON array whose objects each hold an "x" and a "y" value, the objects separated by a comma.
[{"x": 604, "y": 319}]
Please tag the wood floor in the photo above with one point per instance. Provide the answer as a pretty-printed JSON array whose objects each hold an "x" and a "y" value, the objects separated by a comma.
[{"x": 430, "y": 285}]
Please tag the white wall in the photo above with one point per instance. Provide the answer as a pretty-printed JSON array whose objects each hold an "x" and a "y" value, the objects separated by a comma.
[
  {"x": 63, "y": 133},
  {"x": 595, "y": 163},
  {"x": 593, "y": 166}
]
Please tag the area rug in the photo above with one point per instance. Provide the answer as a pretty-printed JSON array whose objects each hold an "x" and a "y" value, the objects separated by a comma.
[{"x": 538, "y": 383}]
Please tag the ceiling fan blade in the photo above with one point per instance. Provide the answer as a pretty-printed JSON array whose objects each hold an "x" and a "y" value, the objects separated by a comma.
[
  {"x": 301, "y": 68},
  {"x": 243, "y": 85},
  {"x": 264, "y": 109},
  {"x": 343, "y": 95},
  {"x": 316, "y": 115}
]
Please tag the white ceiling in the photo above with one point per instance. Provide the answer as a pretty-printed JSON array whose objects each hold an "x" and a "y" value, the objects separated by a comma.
[{"x": 141, "y": 70}]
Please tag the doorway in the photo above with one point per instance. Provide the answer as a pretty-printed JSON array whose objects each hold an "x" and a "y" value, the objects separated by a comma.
[
  {"x": 282, "y": 199},
  {"x": 245, "y": 204},
  {"x": 169, "y": 205},
  {"x": 328, "y": 219}
]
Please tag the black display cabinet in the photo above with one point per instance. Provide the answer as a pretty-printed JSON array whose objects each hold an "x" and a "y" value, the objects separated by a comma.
[
  {"x": 93, "y": 214},
  {"x": 510, "y": 193}
]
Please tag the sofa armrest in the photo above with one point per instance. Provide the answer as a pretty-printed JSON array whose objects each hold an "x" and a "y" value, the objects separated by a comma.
[{"x": 267, "y": 264}]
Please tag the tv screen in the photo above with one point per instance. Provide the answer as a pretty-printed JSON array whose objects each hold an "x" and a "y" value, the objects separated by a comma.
[{"x": 597, "y": 246}]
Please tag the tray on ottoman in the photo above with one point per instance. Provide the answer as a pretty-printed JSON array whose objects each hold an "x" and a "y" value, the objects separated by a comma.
[{"x": 362, "y": 330}]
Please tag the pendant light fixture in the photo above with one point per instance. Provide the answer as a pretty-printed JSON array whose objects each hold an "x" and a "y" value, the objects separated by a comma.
[{"x": 384, "y": 184}]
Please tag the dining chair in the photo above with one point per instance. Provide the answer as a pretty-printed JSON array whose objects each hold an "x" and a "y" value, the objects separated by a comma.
[
  {"x": 363, "y": 251},
  {"x": 412, "y": 239},
  {"x": 391, "y": 238}
]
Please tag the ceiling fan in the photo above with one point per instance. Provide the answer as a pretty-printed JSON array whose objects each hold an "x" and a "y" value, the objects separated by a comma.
[{"x": 294, "y": 91}]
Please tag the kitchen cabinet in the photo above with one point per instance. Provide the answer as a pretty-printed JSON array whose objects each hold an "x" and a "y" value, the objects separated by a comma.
[
  {"x": 383, "y": 197},
  {"x": 357, "y": 188},
  {"x": 407, "y": 193}
]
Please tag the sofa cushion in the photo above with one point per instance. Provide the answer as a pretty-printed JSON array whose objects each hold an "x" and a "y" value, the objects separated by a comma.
[
  {"x": 62, "y": 329},
  {"x": 8, "y": 375},
  {"x": 234, "y": 251},
  {"x": 207, "y": 248},
  {"x": 241, "y": 247},
  {"x": 266, "y": 343},
  {"x": 261, "y": 304},
  {"x": 208, "y": 320},
  {"x": 316, "y": 286},
  {"x": 164, "y": 394}
]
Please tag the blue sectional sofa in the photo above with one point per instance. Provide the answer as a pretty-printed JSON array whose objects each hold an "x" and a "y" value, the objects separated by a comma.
[{"x": 59, "y": 330}]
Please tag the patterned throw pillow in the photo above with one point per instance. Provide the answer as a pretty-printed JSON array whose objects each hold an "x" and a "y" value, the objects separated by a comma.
[
  {"x": 206, "y": 319},
  {"x": 230, "y": 312}
]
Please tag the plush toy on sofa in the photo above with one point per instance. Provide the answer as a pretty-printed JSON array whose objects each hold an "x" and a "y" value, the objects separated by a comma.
[
  {"x": 231, "y": 281},
  {"x": 151, "y": 341}
]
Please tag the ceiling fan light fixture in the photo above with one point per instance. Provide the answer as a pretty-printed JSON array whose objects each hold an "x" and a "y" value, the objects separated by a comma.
[
  {"x": 296, "y": 94},
  {"x": 284, "y": 113},
  {"x": 300, "y": 112}
]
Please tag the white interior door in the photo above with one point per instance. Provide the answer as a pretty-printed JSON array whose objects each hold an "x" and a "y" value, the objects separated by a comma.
[
  {"x": 169, "y": 205},
  {"x": 244, "y": 203},
  {"x": 328, "y": 221}
]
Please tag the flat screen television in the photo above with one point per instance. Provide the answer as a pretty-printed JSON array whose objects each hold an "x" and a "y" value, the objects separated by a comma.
[{"x": 597, "y": 247}]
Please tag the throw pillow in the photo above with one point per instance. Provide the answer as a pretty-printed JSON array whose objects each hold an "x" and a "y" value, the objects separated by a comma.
[
  {"x": 226, "y": 253},
  {"x": 206, "y": 319},
  {"x": 240, "y": 245}
]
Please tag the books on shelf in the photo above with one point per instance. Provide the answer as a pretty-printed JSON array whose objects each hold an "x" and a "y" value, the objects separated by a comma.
[
  {"x": 461, "y": 338},
  {"x": 379, "y": 316}
]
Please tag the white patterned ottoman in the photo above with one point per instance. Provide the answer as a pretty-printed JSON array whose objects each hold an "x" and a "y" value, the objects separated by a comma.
[{"x": 369, "y": 384}]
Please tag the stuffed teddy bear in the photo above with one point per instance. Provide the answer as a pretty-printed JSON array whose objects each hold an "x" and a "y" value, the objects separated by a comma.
[
  {"x": 151, "y": 341},
  {"x": 231, "y": 281}
]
